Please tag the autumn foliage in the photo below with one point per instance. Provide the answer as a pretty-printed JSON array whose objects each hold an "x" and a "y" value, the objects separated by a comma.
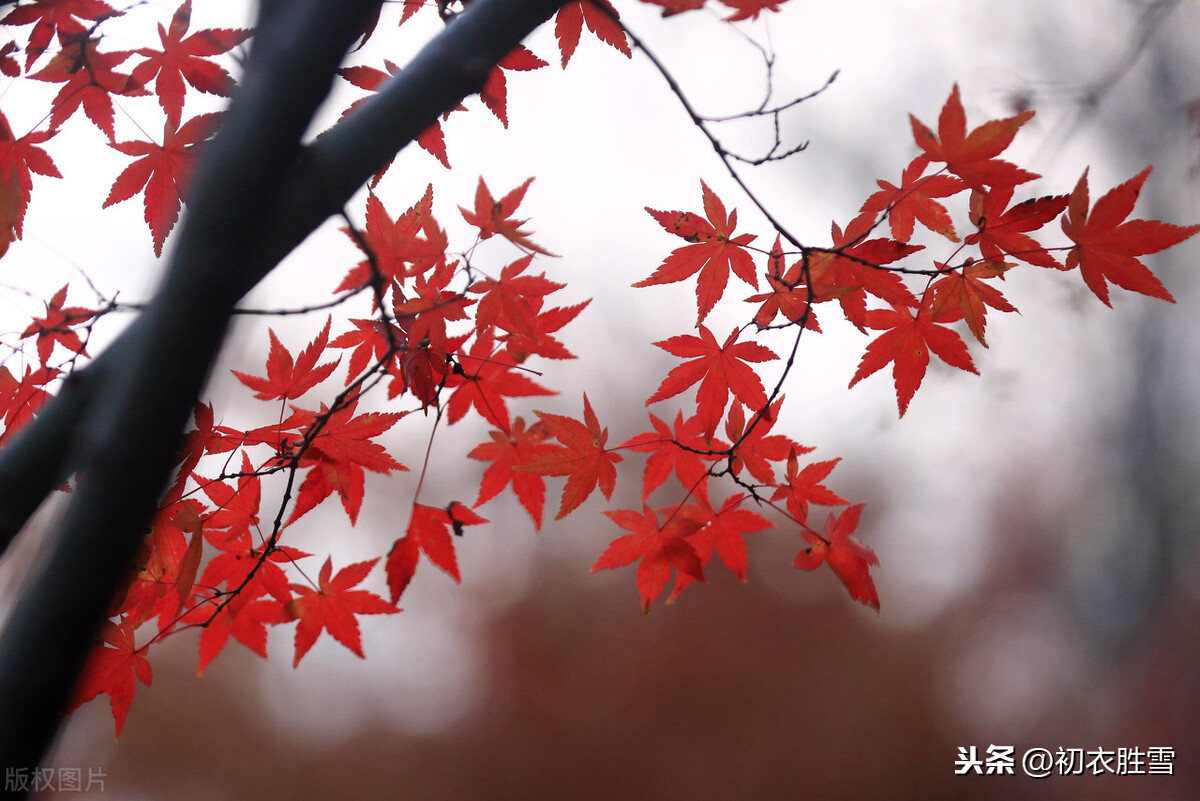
[{"x": 459, "y": 333}]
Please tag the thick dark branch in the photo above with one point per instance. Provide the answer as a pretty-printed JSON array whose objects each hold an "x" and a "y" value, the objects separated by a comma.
[
  {"x": 452, "y": 66},
  {"x": 257, "y": 195},
  {"x": 126, "y": 441}
]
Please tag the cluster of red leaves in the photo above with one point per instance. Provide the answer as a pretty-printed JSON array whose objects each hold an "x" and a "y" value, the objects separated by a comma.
[{"x": 450, "y": 333}]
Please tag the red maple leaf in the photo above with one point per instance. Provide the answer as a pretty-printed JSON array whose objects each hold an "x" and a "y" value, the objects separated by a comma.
[
  {"x": 88, "y": 78},
  {"x": 538, "y": 340},
  {"x": 672, "y": 7},
  {"x": 55, "y": 16},
  {"x": 487, "y": 378},
  {"x": 848, "y": 558},
  {"x": 750, "y": 9},
  {"x": 163, "y": 172},
  {"x": 111, "y": 670},
  {"x": 965, "y": 292},
  {"x": 714, "y": 253},
  {"x": 1002, "y": 229},
  {"x": 339, "y": 454},
  {"x": 19, "y": 158},
  {"x": 1107, "y": 246},
  {"x": 659, "y": 547},
  {"x": 187, "y": 59},
  {"x": 495, "y": 90},
  {"x": 288, "y": 379},
  {"x": 755, "y": 447},
  {"x": 507, "y": 451},
  {"x": 411, "y": 245},
  {"x": 582, "y": 458},
  {"x": 787, "y": 294},
  {"x": 972, "y": 156},
  {"x": 492, "y": 218},
  {"x": 601, "y": 19},
  {"x": 508, "y": 301},
  {"x": 236, "y": 512},
  {"x": 332, "y": 607},
  {"x": 20, "y": 400},
  {"x": 428, "y": 531},
  {"x": 245, "y": 618},
  {"x": 720, "y": 369},
  {"x": 913, "y": 201},
  {"x": 683, "y": 450},
  {"x": 801, "y": 487},
  {"x": 907, "y": 341},
  {"x": 721, "y": 531},
  {"x": 849, "y": 270},
  {"x": 58, "y": 326}
]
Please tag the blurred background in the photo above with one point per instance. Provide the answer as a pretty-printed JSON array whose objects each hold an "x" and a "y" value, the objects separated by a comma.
[{"x": 1036, "y": 525}]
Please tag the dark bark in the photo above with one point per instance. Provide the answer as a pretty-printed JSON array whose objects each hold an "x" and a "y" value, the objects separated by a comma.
[{"x": 257, "y": 193}]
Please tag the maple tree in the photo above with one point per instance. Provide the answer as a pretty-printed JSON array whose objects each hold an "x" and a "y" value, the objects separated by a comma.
[{"x": 169, "y": 527}]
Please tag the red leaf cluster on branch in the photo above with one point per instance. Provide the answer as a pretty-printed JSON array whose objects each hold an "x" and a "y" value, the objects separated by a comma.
[{"x": 452, "y": 327}]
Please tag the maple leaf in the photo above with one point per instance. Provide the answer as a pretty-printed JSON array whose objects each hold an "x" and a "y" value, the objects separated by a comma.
[
  {"x": 187, "y": 59},
  {"x": 802, "y": 487},
  {"x": 659, "y": 547},
  {"x": 240, "y": 566},
  {"x": 58, "y": 326},
  {"x": 750, "y": 9},
  {"x": 507, "y": 301},
  {"x": 972, "y": 156},
  {"x": 367, "y": 342},
  {"x": 601, "y": 19},
  {"x": 19, "y": 158},
  {"x": 507, "y": 451},
  {"x": 55, "y": 16},
  {"x": 492, "y": 218},
  {"x": 8, "y": 60},
  {"x": 848, "y": 558},
  {"x": 338, "y": 455},
  {"x": 672, "y": 7},
  {"x": 720, "y": 369},
  {"x": 1002, "y": 229},
  {"x": 411, "y": 245},
  {"x": 907, "y": 341},
  {"x": 715, "y": 251},
  {"x": 20, "y": 400},
  {"x": 245, "y": 618},
  {"x": 965, "y": 292},
  {"x": 486, "y": 381},
  {"x": 848, "y": 270},
  {"x": 428, "y": 531},
  {"x": 88, "y": 78},
  {"x": 332, "y": 607},
  {"x": 495, "y": 90},
  {"x": 1107, "y": 246},
  {"x": 582, "y": 458},
  {"x": 537, "y": 341},
  {"x": 755, "y": 448},
  {"x": 163, "y": 172},
  {"x": 425, "y": 316},
  {"x": 286, "y": 379},
  {"x": 236, "y": 510},
  {"x": 913, "y": 201},
  {"x": 786, "y": 295},
  {"x": 112, "y": 670},
  {"x": 721, "y": 531},
  {"x": 166, "y": 566},
  {"x": 683, "y": 449}
]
